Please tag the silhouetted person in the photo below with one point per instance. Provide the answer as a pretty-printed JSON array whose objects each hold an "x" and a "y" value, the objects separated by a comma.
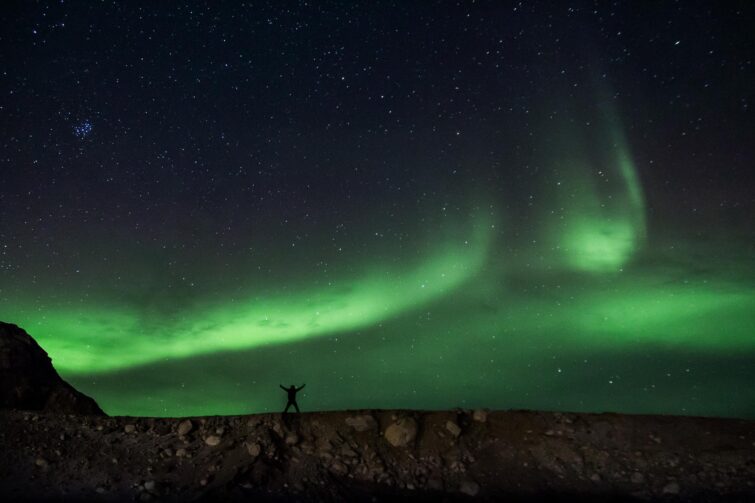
[{"x": 292, "y": 390}]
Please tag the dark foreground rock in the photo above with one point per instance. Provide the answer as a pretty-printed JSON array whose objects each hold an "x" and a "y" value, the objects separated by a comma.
[
  {"x": 378, "y": 456},
  {"x": 29, "y": 381}
]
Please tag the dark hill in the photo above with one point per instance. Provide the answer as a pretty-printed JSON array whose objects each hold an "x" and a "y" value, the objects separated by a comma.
[{"x": 28, "y": 380}]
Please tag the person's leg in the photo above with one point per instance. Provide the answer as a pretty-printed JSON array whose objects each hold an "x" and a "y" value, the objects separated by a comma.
[
  {"x": 287, "y": 406},
  {"x": 296, "y": 406}
]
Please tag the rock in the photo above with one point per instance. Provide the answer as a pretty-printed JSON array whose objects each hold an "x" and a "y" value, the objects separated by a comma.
[
  {"x": 480, "y": 415},
  {"x": 129, "y": 428},
  {"x": 348, "y": 452},
  {"x": 637, "y": 478},
  {"x": 253, "y": 449},
  {"x": 181, "y": 452},
  {"x": 671, "y": 488},
  {"x": 469, "y": 487},
  {"x": 453, "y": 428},
  {"x": 361, "y": 423},
  {"x": 212, "y": 440},
  {"x": 28, "y": 381},
  {"x": 595, "y": 477},
  {"x": 401, "y": 432},
  {"x": 277, "y": 429},
  {"x": 291, "y": 438},
  {"x": 339, "y": 468},
  {"x": 100, "y": 490},
  {"x": 150, "y": 486},
  {"x": 184, "y": 427},
  {"x": 41, "y": 462}
]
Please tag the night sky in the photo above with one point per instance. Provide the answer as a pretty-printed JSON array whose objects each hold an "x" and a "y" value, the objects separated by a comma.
[{"x": 544, "y": 205}]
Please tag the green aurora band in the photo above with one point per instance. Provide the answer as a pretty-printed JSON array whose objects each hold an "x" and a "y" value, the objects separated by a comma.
[
  {"x": 90, "y": 340},
  {"x": 477, "y": 312}
]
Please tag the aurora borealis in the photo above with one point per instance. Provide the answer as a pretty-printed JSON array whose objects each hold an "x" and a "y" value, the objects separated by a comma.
[{"x": 537, "y": 206}]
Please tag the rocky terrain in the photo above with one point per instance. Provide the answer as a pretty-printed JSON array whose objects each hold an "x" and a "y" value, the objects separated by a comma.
[
  {"x": 62, "y": 447},
  {"x": 377, "y": 455}
]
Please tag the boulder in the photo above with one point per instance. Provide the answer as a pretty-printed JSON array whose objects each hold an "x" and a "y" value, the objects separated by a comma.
[
  {"x": 453, "y": 428},
  {"x": 401, "y": 432},
  {"x": 184, "y": 427}
]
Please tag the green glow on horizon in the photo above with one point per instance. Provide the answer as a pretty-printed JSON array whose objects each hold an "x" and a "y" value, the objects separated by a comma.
[
  {"x": 638, "y": 326},
  {"x": 91, "y": 339}
]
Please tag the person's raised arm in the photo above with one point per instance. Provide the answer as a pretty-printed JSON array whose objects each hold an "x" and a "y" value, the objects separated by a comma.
[
  {"x": 301, "y": 387},
  {"x": 283, "y": 388}
]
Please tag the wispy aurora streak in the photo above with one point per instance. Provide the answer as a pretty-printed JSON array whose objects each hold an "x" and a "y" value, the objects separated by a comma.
[
  {"x": 603, "y": 221},
  {"x": 91, "y": 339}
]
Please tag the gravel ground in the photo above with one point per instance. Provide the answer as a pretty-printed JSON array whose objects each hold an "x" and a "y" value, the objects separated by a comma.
[{"x": 377, "y": 455}]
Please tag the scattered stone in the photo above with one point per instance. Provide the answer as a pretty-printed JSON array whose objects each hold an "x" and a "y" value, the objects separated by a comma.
[
  {"x": 180, "y": 452},
  {"x": 253, "y": 449},
  {"x": 100, "y": 490},
  {"x": 184, "y": 427},
  {"x": 150, "y": 486},
  {"x": 480, "y": 415},
  {"x": 637, "y": 478},
  {"x": 401, "y": 432},
  {"x": 453, "y": 428},
  {"x": 277, "y": 429},
  {"x": 339, "y": 468},
  {"x": 348, "y": 452},
  {"x": 129, "y": 428},
  {"x": 595, "y": 477},
  {"x": 212, "y": 440},
  {"x": 42, "y": 463},
  {"x": 671, "y": 488},
  {"x": 292, "y": 438},
  {"x": 361, "y": 423},
  {"x": 470, "y": 487}
]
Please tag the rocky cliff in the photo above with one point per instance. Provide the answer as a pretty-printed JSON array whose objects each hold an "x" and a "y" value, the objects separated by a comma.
[{"x": 28, "y": 380}]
